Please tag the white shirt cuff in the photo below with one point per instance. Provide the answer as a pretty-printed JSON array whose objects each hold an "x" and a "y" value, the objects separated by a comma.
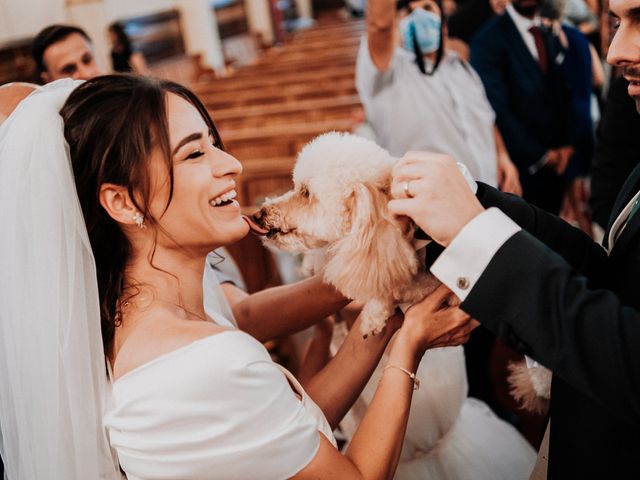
[{"x": 460, "y": 265}]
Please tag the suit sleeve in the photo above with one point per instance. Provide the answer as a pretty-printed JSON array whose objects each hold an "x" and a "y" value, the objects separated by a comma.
[
  {"x": 576, "y": 247},
  {"x": 487, "y": 57},
  {"x": 532, "y": 298}
]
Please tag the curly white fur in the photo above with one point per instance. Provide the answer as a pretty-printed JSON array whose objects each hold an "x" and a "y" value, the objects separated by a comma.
[
  {"x": 530, "y": 386},
  {"x": 339, "y": 201}
]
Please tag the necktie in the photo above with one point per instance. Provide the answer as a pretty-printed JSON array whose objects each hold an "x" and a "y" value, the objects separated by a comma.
[{"x": 540, "y": 47}]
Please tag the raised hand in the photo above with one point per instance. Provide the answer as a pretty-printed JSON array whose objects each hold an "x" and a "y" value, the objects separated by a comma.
[{"x": 429, "y": 188}]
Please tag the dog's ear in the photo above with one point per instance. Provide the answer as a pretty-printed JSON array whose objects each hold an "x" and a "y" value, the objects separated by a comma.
[{"x": 374, "y": 258}]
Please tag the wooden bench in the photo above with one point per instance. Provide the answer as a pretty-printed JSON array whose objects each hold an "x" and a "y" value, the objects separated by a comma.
[
  {"x": 277, "y": 140},
  {"x": 262, "y": 178},
  {"x": 310, "y": 63},
  {"x": 233, "y": 83},
  {"x": 274, "y": 95},
  {"x": 184, "y": 69},
  {"x": 312, "y": 110}
]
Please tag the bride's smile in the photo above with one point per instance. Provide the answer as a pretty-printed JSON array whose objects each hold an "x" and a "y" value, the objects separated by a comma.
[{"x": 201, "y": 211}]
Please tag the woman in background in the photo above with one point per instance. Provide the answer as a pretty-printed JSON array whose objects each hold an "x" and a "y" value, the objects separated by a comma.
[{"x": 124, "y": 58}]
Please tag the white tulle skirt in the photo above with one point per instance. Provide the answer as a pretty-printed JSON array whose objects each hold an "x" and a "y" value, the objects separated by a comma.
[
  {"x": 479, "y": 446},
  {"x": 449, "y": 435}
]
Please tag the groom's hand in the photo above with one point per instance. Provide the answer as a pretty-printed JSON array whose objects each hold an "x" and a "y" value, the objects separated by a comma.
[{"x": 430, "y": 188}]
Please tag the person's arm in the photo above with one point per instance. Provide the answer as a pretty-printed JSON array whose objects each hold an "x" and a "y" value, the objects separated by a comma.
[
  {"x": 487, "y": 58},
  {"x": 587, "y": 337},
  {"x": 316, "y": 353},
  {"x": 381, "y": 16},
  {"x": 508, "y": 177},
  {"x": 337, "y": 386},
  {"x": 280, "y": 311},
  {"x": 376, "y": 445},
  {"x": 522, "y": 290},
  {"x": 138, "y": 63},
  {"x": 11, "y": 94},
  {"x": 576, "y": 247}
]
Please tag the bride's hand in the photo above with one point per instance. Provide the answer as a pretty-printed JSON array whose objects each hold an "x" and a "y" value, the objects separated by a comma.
[{"x": 433, "y": 323}]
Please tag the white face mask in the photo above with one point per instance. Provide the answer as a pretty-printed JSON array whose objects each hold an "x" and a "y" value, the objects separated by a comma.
[{"x": 425, "y": 27}]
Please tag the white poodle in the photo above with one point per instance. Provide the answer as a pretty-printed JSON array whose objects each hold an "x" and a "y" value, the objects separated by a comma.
[{"x": 339, "y": 201}]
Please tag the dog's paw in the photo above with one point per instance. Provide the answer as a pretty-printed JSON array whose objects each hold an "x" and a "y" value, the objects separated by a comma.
[{"x": 375, "y": 314}]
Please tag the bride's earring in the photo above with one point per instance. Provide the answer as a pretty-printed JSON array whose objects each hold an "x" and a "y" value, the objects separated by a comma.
[{"x": 138, "y": 218}]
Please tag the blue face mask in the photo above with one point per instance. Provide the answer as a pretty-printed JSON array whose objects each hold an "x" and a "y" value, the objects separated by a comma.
[{"x": 425, "y": 26}]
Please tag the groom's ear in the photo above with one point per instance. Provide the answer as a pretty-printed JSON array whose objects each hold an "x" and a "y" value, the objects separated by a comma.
[{"x": 117, "y": 203}]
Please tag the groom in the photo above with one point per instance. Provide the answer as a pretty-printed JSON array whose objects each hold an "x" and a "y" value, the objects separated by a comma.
[{"x": 546, "y": 288}]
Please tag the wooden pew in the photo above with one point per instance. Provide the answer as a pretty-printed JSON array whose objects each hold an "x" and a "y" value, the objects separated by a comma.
[
  {"x": 233, "y": 83},
  {"x": 277, "y": 140},
  {"x": 312, "y": 110},
  {"x": 275, "y": 94},
  {"x": 311, "y": 63},
  {"x": 262, "y": 178}
]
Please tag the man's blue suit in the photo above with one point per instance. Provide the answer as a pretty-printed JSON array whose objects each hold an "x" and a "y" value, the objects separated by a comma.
[{"x": 531, "y": 106}]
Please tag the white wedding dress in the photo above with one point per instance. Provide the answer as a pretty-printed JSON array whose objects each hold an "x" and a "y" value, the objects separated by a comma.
[
  {"x": 449, "y": 435},
  {"x": 217, "y": 408}
]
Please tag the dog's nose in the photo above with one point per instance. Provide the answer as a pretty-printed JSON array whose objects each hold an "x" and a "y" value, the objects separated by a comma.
[{"x": 259, "y": 216}]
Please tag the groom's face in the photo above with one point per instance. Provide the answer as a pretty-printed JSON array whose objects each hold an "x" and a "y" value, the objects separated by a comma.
[{"x": 624, "y": 51}]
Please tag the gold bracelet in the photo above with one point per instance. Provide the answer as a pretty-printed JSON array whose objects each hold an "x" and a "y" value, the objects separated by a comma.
[{"x": 412, "y": 376}]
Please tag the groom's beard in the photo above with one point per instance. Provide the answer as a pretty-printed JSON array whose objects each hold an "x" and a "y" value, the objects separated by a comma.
[{"x": 632, "y": 74}]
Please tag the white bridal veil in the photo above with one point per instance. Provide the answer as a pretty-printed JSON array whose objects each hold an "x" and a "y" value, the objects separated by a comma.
[{"x": 53, "y": 385}]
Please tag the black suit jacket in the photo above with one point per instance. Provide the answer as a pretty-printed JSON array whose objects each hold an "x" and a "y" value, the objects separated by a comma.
[
  {"x": 559, "y": 298},
  {"x": 530, "y": 106}
]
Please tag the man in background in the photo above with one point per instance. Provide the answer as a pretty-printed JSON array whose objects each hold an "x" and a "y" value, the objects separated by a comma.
[
  {"x": 64, "y": 51},
  {"x": 514, "y": 56}
]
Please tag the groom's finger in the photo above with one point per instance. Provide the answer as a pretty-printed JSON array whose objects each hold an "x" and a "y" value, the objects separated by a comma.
[
  {"x": 409, "y": 188},
  {"x": 404, "y": 206}
]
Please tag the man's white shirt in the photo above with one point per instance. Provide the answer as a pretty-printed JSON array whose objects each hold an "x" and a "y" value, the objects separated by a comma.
[{"x": 523, "y": 24}]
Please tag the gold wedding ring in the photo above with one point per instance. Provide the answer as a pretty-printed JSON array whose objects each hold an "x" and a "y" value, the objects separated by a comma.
[{"x": 407, "y": 190}]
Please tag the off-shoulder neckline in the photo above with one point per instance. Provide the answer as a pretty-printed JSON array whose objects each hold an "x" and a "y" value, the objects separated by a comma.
[{"x": 161, "y": 358}]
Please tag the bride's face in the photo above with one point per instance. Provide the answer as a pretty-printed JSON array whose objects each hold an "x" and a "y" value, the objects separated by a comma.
[{"x": 202, "y": 213}]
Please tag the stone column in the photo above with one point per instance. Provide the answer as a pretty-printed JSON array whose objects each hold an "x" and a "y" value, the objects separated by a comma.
[{"x": 200, "y": 31}]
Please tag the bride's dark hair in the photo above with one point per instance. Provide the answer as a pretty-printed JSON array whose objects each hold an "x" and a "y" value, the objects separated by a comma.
[{"x": 113, "y": 124}]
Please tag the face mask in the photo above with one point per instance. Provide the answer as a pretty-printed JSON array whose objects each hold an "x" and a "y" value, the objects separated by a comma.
[{"x": 425, "y": 26}]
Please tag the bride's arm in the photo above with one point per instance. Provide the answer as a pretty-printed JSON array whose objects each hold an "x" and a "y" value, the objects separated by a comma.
[
  {"x": 337, "y": 386},
  {"x": 280, "y": 311},
  {"x": 375, "y": 448}
]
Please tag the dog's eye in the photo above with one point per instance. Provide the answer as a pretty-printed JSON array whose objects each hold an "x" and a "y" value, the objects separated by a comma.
[{"x": 304, "y": 191}]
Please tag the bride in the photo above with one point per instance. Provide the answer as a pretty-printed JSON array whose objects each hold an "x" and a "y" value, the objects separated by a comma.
[{"x": 113, "y": 191}]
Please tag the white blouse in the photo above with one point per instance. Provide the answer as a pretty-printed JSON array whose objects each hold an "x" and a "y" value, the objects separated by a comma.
[
  {"x": 217, "y": 408},
  {"x": 447, "y": 112}
]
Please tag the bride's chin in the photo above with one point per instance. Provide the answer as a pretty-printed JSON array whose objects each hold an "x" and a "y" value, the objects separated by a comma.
[{"x": 234, "y": 233}]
